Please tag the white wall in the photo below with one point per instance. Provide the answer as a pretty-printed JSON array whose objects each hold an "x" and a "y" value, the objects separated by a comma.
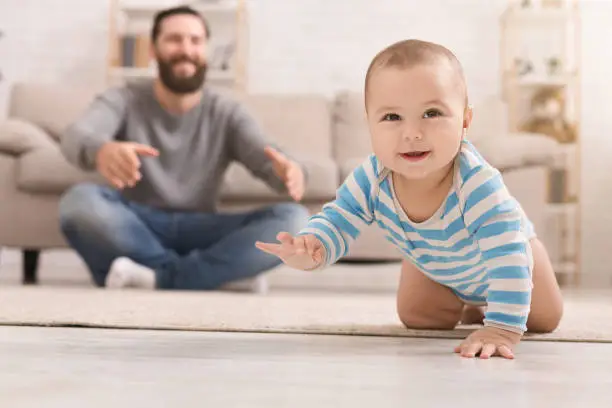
[
  {"x": 597, "y": 141},
  {"x": 325, "y": 45},
  {"x": 52, "y": 40}
]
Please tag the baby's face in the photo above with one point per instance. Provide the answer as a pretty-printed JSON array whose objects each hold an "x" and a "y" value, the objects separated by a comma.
[{"x": 416, "y": 118}]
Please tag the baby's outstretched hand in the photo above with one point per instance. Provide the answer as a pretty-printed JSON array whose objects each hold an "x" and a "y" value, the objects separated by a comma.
[
  {"x": 301, "y": 252},
  {"x": 489, "y": 341}
]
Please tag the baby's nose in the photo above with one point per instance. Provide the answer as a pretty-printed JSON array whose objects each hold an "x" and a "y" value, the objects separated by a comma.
[{"x": 412, "y": 134}]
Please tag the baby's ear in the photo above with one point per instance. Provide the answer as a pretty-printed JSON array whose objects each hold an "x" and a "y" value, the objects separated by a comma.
[
  {"x": 467, "y": 121},
  {"x": 467, "y": 117}
]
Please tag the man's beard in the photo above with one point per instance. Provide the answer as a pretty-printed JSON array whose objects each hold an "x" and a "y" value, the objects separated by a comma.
[{"x": 181, "y": 84}]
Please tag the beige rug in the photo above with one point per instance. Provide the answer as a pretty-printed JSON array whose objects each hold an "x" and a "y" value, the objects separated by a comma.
[{"x": 588, "y": 318}]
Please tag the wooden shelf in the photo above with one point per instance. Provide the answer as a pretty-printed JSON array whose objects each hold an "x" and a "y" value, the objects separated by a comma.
[
  {"x": 537, "y": 15},
  {"x": 540, "y": 80},
  {"x": 208, "y": 10},
  {"x": 562, "y": 208},
  {"x": 532, "y": 35}
]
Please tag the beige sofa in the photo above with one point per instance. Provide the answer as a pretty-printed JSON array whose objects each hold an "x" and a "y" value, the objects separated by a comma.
[{"x": 327, "y": 133}]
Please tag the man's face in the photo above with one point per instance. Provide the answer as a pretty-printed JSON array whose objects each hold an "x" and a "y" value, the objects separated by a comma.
[{"x": 180, "y": 53}]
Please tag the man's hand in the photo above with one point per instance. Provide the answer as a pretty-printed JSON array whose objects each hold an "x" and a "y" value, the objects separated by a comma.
[
  {"x": 302, "y": 252},
  {"x": 119, "y": 163},
  {"x": 290, "y": 172},
  {"x": 489, "y": 341}
]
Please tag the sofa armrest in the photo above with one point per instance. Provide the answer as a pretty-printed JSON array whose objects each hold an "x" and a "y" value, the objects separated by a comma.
[
  {"x": 18, "y": 137},
  {"x": 521, "y": 149}
]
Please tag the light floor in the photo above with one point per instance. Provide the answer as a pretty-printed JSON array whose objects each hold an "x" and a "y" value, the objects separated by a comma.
[
  {"x": 67, "y": 367},
  {"x": 70, "y": 367}
]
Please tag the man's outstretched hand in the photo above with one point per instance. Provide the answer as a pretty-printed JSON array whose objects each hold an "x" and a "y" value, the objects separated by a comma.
[
  {"x": 302, "y": 252},
  {"x": 289, "y": 171},
  {"x": 119, "y": 162}
]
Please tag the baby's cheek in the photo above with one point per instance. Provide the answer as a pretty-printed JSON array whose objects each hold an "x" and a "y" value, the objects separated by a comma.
[
  {"x": 381, "y": 145},
  {"x": 384, "y": 151},
  {"x": 447, "y": 145}
]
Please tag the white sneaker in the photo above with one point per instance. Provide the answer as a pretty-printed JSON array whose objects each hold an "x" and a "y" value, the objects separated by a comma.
[{"x": 125, "y": 273}]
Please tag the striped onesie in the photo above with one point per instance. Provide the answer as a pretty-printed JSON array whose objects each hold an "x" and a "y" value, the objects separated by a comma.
[{"x": 477, "y": 243}]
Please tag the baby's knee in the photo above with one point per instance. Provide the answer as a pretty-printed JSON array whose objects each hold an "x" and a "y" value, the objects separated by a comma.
[{"x": 417, "y": 318}]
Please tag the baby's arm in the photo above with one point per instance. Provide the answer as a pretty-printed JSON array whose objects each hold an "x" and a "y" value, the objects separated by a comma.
[
  {"x": 506, "y": 253},
  {"x": 495, "y": 219},
  {"x": 341, "y": 221},
  {"x": 329, "y": 234}
]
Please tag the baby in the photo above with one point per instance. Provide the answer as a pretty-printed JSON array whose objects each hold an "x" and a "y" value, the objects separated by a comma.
[{"x": 471, "y": 253}]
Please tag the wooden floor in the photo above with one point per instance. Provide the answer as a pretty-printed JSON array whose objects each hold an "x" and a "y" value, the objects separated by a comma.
[{"x": 72, "y": 367}]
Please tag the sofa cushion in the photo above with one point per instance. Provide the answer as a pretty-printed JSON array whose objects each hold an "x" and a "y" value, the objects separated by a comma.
[
  {"x": 515, "y": 150},
  {"x": 51, "y": 106},
  {"x": 351, "y": 135},
  {"x": 45, "y": 171},
  {"x": 19, "y": 136},
  {"x": 300, "y": 124},
  {"x": 239, "y": 184}
]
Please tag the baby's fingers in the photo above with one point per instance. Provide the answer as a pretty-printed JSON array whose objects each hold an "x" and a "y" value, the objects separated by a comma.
[
  {"x": 273, "y": 249},
  {"x": 505, "y": 352},
  {"x": 472, "y": 349},
  {"x": 488, "y": 351},
  {"x": 289, "y": 244},
  {"x": 285, "y": 238}
]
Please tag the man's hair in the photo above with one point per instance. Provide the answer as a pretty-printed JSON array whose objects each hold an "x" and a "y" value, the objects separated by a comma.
[
  {"x": 408, "y": 53},
  {"x": 161, "y": 15}
]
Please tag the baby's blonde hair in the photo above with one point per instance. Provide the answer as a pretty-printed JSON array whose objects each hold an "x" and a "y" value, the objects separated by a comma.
[{"x": 408, "y": 53}]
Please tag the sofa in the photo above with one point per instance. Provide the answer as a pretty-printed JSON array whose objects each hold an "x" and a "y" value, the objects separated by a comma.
[{"x": 327, "y": 133}]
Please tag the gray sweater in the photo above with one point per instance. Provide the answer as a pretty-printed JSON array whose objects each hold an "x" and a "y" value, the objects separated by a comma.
[{"x": 195, "y": 147}]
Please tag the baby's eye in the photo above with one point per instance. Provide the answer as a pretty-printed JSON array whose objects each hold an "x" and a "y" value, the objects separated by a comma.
[
  {"x": 432, "y": 113},
  {"x": 391, "y": 117}
]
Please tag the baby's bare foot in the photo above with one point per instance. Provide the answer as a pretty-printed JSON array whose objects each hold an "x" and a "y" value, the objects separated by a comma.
[{"x": 472, "y": 315}]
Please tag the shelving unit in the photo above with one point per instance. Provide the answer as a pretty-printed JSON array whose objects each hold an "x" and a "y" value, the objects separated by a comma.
[
  {"x": 227, "y": 50},
  {"x": 540, "y": 54}
]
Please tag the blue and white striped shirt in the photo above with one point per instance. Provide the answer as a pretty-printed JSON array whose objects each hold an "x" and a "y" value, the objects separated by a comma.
[{"x": 477, "y": 243}]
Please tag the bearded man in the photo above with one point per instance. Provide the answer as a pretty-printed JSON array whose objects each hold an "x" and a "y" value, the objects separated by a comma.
[{"x": 163, "y": 146}]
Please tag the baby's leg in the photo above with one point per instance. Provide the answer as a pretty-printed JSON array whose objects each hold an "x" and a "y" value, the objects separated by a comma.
[
  {"x": 473, "y": 314},
  {"x": 546, "y": 300},
  {"x": 425, "y": 304}
]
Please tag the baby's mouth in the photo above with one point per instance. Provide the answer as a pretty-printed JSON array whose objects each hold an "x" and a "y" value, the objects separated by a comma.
[{"x": 415, "y": 155}]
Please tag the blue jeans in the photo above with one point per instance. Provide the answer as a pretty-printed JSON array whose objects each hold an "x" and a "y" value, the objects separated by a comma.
[{"x": 187, "y": 250}]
